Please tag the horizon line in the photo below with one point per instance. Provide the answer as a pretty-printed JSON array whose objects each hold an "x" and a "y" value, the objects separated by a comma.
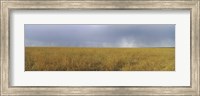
[{"x": 99, "y": 47}]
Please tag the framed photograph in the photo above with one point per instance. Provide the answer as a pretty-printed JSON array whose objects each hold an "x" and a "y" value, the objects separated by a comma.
[{"x": 129, "y": 47}]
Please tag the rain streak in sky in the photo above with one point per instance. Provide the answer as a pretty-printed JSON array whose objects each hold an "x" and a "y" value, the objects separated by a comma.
[{"x": 99, "y": 35}]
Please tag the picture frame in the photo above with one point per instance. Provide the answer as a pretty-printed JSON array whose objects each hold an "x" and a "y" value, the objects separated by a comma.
[{"x": 8, "y": 5}]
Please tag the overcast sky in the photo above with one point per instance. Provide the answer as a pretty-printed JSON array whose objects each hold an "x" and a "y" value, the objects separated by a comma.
[{"x": 100, "y": 35}]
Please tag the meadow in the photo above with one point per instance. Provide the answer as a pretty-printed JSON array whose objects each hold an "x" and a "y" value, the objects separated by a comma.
[{"x": 99, "y": 59}]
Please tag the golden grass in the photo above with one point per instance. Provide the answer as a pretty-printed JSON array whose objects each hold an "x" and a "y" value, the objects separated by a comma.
[{"x": 99, "y": 59}]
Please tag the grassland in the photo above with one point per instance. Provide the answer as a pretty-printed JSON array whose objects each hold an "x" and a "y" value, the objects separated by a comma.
[{"x": 99, "y": 59}]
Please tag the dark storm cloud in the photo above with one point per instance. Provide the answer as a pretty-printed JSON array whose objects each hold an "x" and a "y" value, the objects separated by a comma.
[{"x": 100, "y": 35}]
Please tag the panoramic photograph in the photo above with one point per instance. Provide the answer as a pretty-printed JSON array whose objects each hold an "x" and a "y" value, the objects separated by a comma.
[{"x": 99, "y": 47}]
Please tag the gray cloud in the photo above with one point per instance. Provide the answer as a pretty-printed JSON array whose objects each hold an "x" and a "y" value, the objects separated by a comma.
[{"x": 100, "y": 35}]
